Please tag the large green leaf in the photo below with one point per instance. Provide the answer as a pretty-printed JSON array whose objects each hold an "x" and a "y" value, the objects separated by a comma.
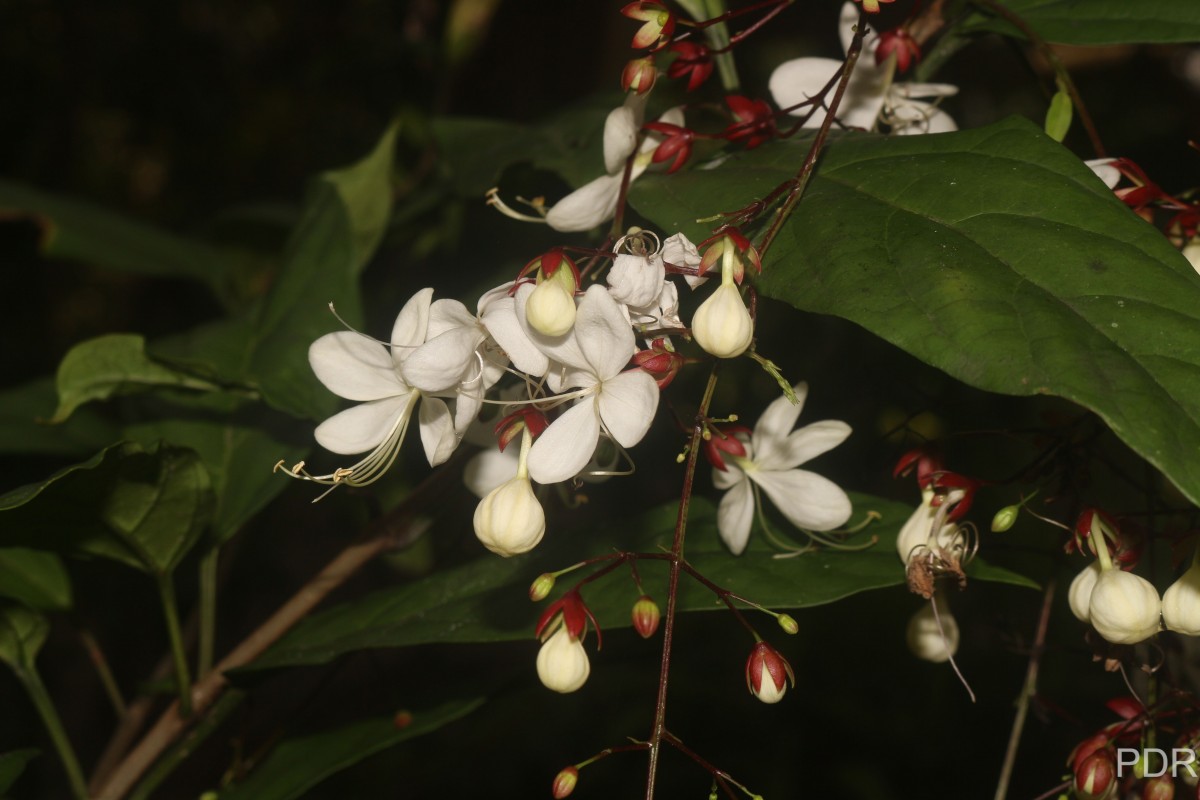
[
  {"x": 298, "y": 764},
  {"x": 487, "y": 600},
  {"x": 345, "y": 217},
  {"x": 23, "y": 408},
  {"x": 144, "y": 508},
  {"x": 1100, "y": 21},
  {"x": 35, "y": 578},
  {"x": 80, "y": 231},
  {"x": 12, "y": 764},
  {"x": 992, "y": 254},
  {"x": 238, "y": 458},
  {"x": 112, "y": 365}
]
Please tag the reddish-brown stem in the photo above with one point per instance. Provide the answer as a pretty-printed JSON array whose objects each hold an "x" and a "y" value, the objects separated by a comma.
[
  {"x": 720, "y": 776},
  {"x": 728, "y": 15},
  {"x": 742, "y": 35},
  {"x": 689, "y": 476},
  {"x": 800, "y": 182}
]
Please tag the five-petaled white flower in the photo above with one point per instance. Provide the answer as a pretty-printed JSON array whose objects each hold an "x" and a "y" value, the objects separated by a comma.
[
  {"x": 773, "y": 454},
  {"x": 590, "y": 359},
  {"x": 871, "y": 95}
]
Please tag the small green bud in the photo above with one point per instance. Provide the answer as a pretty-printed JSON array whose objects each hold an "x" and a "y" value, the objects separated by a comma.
[
  {"x": 789, "y": 624},
  {"x": 1005, "y": 518},
  {"x": 540, "y": 588}
]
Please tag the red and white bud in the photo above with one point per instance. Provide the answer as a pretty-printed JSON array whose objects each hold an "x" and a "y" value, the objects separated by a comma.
[
  {"x": 646, "y": 616},
  {"x": 1096, "y": 777},
  {"x": 658, "y": 24},
  {"x": 1181, "y": 602},
  {"x": 639, "y": 75},
  {"x": 541, "y": 587},
  {"x": 550, "y": 309},
  {"x": 1124, "y": 607},
  {"x": 1159, "y": 788},
  {"x": 768, "y": 673},
  {"x": 564, "y": 782},
  {"x": 562, "y": 663},
  {"x": 925, "y": 637},
  {"x": 1079, "y": 596}
]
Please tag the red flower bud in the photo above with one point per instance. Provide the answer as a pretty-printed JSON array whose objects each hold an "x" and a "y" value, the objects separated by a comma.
[
  {"x": 646, "y": 616},
  {"x": 723, "y": 440},
  {"x": 661, "y": 361},
  {"x": 754, "y": 121},
  {"x": 658, "y": 24},
  {"x": 1160, "y": 788},
  {"x": 639, "y": 75},
  {"x": 564, "y": 782},
  {"x": 677, "y": 143},
  {"x": 694, "y": 60},
  {"x": 768, "y": 673},
  {"x": 901, "y": 43},
  {"x": 1096, "y": 776}
]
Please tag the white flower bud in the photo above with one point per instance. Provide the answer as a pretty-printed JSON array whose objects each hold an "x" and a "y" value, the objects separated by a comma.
[
  {"x": 1079, "y": 596},
  {"x": 551, "y": 306},
  {"x": 722, "y": 325},
  {"x": 510, "y": 519},
  {"x": 636, "y": 280},
  {"x": 925, "y": 639},
  {"x": 562, "y": 663},
  {"x": 1124, "y": 607},
  {"x": 1181, "y": 603}
]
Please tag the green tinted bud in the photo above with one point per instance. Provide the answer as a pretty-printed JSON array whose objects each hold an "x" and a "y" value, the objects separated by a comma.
[
  {"x": 1005, "y": 518},
  {"x": 540, "y": 588},
  {"x": 788, "y": 624}
]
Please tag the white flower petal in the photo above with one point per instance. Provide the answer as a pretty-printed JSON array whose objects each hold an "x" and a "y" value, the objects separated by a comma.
[
  {"x": 923, "y": 90},
  {"x": 620, "y": 137},
  {"x": 797, "y": 80},
  {"x": 808, "y": 500},
  {"x": 411, "y": 325},
  {"x": 565, "y": 447},
  {"x": 500, "y": 318},
  {"x": 447, "y": 314},
  {"x": 1105, "y": 171},
  {"x": 627, "y": 404},
  {"x": 437, "y": 430},
  {"x": 734, "y": 516},
  {"x": 360, "y": 428},
  {"x": 914, "y": 117},
  {"x": 491, "y": 468},
  {"x": 467, "y": 404},
  {"x": 636, "y": 280},
  {"x": 603, "y": 333},
  {"x": 778, "y": 420},
  {"x": 354, "y": 367},
  {"x": 445, "y": 360},
  {"x": 590, "y": 205},
  {"x": 806, "y": 444}
]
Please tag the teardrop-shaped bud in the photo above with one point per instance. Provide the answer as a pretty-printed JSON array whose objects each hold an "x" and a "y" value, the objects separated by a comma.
[
  {"x": 1079, "y": 596},
  {"x": 1181, "y": 603},
  {"x": 1124, "y": 608},
  {"x": 768, "y": 673},
  {"x": 646, "y": 616},
  {"x": 550, "y": 309},
  {"x": 510, "y": 519},
  {"x": 562, "y": 663},
  {"x": 722, "y": 325}
]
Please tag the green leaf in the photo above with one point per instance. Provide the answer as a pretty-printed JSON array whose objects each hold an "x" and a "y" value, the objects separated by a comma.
[
  {"x": 34, "y": 577},
  {"x": 80, "y": 231},
  {"x": 238, "y": 458},
  {"x": 1058, "y": 116},
  {"x": 298, "y": 764},
  {"x": 23, "y": 410},
  {"x": 12, "y": 764},
  {"x": 144, "y": 508},
  {"x": 112, "y": 365},
  {"x": 992, "y": 254},
  {"x": 1100, "y": 21},
  {"x": 487, "y": 599},
  {"x": 22, "y": 634}
]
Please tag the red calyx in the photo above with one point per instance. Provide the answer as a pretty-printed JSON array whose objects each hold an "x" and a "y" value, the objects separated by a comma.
[
  {"x": 754, "y": 121},
  {"x": 900, "y": 42},
  {"x": 724, "y": 440},
  {"x": 694, "y": 60},
  {"x": 677, "y": 144}
]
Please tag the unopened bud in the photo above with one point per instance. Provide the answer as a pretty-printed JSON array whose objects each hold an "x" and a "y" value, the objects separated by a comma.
[
  {"x": 1159, "y": 788},
  {"x": 1005, "y": 518},
  {"x": 550, "y": 309},
  {"x": 1124, "y": 608},
  {"x": 562, "y": 663},
  {"x": 646, "y": 616},
  {"x": 1079, "y": 596},
  {"x": 541, "y": 587},
  {"x": 722, "y": 325},
  {"x": 929, "y": 641},
  {"x": 564, "y": 782},
  {"x": 401, "y": 720},
  {"x": 639, "y": 75},
  {"x": 1181, "y": 603},
  {"x": 510, "y": 520},
  {"x": 768, "y": 673},
  {"x": 1096, "y": 777},
  {"x": 788, "y": 624}
]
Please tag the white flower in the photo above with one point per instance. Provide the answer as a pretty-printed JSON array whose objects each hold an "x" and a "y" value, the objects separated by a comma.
[
  {"x": 1079, "y": 596},
  {"x": 773, "y": 453},
  {"x": 636, "y": 280},
  {"x": 1181, "y": 602},
  {"x": 925, "y": 637},
  {"x": 356, "y": 367},
  {"x": 917, "y": 532},
  {"x": 679, "y": 250},
  {"x": 870, "y": 94},
  {"x": 1124, "y": 607},
  {"x": 591, "y": 358},
  {"x": 562, "y": 663}
]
